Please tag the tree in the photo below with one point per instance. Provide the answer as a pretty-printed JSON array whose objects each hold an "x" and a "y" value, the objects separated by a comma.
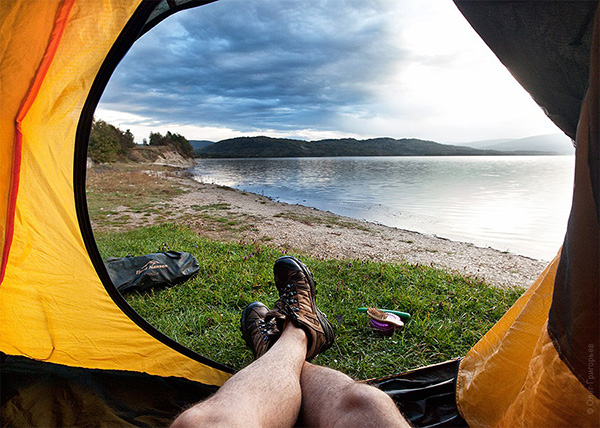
[
  {"x": 157, "y": 139},
  {"x": 108, "y": 143},
  {"x": 176, "y": 141}
]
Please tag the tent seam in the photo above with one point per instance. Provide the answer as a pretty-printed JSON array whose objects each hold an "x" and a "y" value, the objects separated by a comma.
[{"x": 32, "y": 93}]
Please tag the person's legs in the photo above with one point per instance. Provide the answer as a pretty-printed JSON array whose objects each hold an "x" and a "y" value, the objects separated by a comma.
[
  {"x": 264, "y": 394},
  {"x": 332, "y": 399},
  {"x": 279, "y": 385}
]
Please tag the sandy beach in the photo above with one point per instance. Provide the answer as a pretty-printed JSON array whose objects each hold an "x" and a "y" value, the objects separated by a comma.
[{"x": 226, "y": 214}]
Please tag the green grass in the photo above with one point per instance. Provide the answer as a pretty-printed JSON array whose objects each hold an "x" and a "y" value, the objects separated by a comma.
[
  {"x": 328, "y": 221},
  {"x": 215, "y": 207},
  {"x": 229, "y": 222},
  {"x": 449, "y": 312}
]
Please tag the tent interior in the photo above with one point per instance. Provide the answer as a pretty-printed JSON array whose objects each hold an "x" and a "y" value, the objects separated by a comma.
[{"x": 66, "y": 362}]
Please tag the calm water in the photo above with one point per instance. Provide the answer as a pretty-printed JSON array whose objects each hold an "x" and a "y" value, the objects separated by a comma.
[{"x": 515, "y": 203}]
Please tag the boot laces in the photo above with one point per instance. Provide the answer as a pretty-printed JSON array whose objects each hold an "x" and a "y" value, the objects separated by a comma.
[
  {"x": 290, "y": 300},
  {"x": 264, "y": 329}
]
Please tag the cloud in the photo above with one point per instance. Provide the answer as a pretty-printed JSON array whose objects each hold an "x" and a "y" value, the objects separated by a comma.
[
  {"x": 254, "y": 65},
  {"x": 367, "y": 68}
]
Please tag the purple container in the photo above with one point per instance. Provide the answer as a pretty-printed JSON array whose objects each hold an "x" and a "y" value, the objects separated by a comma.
[{"x": 384, "y": 327}]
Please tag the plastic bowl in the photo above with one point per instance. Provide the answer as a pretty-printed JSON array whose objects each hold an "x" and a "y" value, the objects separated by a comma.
[{"x": 384, "y": 327}]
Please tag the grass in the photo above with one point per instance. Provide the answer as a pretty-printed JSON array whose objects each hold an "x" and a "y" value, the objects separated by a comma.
[
  {"x": 329, "y": 221},
  {"x": 212, "y": 207},
  {"x": 449, "y": 312},
  {"x": 231, "y": 223},
  {"x": 112, "y": 188},
  {"x": 210, "y": 214}
]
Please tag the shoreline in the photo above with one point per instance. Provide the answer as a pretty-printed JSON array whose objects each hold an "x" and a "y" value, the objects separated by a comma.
[
  {"x": 226, "y": 214},
  {"x": 323, "y": 235}
]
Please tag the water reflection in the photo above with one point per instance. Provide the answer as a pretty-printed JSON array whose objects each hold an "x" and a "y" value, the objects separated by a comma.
[{"x": 514, "y": 203}]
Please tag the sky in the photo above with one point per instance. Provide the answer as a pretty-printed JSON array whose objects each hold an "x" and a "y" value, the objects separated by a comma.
[{"x": 319, "y": 69}]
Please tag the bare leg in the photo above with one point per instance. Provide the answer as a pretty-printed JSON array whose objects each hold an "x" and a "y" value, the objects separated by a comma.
[
  {"x": 332, "y": 399},
  {"x": 264, "y": 394}
]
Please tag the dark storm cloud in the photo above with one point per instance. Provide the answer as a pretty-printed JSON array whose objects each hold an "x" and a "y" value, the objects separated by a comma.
[{"x": 279, "y": 64}]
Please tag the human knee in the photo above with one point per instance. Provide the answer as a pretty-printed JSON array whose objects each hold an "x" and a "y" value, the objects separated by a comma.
[
  {"x": 359, "y": 396},
  {"x": 364, "y": 405},
  {"x": 200, "y": 416},
  {"x": 184, "y": 420}
]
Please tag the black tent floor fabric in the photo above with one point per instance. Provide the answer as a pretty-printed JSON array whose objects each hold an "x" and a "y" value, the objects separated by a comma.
[
  {"x": 38, "y": 394},
  {"x": 426, "y": 396},
  {"x": 61, "y": 396}
]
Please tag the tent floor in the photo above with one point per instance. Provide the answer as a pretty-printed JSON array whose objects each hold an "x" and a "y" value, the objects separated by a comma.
[
  {"x": 35, "y": 393},
  {"x": 426, "y": 396}
]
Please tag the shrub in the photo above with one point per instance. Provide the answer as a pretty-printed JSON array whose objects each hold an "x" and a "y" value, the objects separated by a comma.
[
  {"x": 177, "y": 141},
  {"x": 108, "y": 143}
]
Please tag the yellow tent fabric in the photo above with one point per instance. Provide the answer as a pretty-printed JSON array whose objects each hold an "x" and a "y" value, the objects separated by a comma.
[
  {"x": 519, "y": 373},
  {"x": 53, "y": 306},
  {"x": 13, "y": 58}
]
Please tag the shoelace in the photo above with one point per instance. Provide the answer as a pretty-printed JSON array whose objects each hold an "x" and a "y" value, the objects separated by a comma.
[
  {"x": 262, "y": 330},
  {"x": 290, "y": 302},
  {"x": 266, "y": 329}
]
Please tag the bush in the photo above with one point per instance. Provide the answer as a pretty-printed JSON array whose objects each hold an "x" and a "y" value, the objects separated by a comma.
[
  {"x": 176, "y": 141},
  {"x": 108, "y": 143}
]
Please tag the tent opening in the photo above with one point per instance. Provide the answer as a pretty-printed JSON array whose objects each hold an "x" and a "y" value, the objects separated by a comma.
[{"x": 125, "y": 197}]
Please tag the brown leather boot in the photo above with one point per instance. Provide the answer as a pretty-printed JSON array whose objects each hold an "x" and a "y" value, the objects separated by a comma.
[
  {"x": 258, "y": 334},
  {"x": 297, "y": 291}
]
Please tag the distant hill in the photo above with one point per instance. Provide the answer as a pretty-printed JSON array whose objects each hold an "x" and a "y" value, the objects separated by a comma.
[
  {"x": 558, "y": 144},
  {"x": 249, "y": 147},
  {"x": 200, "y": 144}
]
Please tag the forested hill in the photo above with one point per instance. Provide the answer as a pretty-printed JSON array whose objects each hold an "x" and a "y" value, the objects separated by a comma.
[{"x": 253, "y": 147}]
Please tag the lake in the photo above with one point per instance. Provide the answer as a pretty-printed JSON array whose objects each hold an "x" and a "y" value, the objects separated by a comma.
[{"x": 519, "y": 204}]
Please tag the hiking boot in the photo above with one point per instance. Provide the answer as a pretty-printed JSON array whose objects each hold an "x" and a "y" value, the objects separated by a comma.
[
  {"x": 297, "y": 291},
  {"x": 258, "y": 334}
]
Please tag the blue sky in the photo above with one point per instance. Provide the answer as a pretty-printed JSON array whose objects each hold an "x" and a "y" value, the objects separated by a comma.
[{"x": 319, "y": 69}]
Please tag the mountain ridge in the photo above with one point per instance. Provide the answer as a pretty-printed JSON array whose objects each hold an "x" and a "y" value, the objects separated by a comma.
[
  {"x": 558, "y": 144},
  {"x": 263, "y": 146}
]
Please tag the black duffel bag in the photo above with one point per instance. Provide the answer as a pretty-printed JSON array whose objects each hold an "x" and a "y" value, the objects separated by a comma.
[{"x": 152, "y": 270}]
